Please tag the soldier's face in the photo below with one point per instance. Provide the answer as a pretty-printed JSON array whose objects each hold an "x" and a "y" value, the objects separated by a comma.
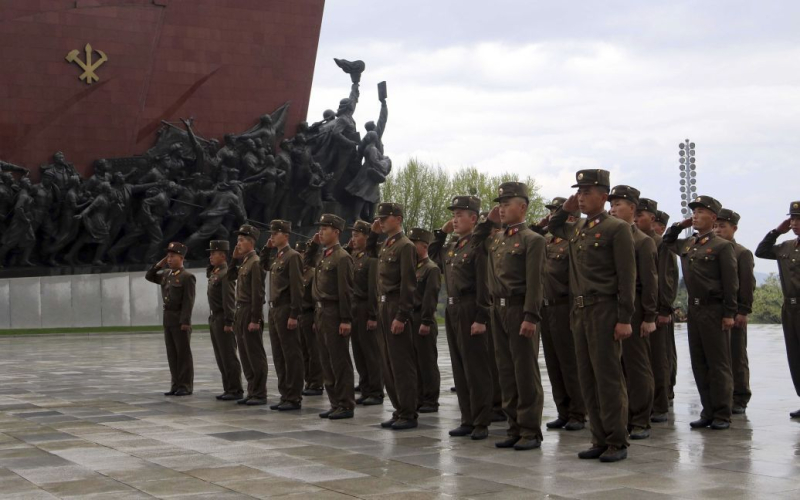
[
  {"x": 464, "y": 221},
  {"x": 328, "y": 236},
  {"x": 390, "y": 224},
  {"x": 512, "y": 211},
  {"x": 724, "y": 229},
  {"x": 422, "y": 249},
  {"x": 358, "y": 240},
  {"x": 622, "y": 209},
  {"x": 659, "y": 228},
  {"x": 591, "y": 200},
  {"x": 217, "y": 258},
  {"x": 703, "y": 219},
  {"x": 174, "y": 261},
  {"x": 244, "y": 244},
  {"x": 644, "y": 220},
  {"x": 795, "y": 224},
  {"x": 280, "y": 239}
]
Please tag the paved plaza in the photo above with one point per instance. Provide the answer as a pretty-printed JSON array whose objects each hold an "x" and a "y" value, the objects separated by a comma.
[{"x": 83, "y": 416}]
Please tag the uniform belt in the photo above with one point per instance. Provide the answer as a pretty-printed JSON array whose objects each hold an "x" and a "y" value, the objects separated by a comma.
[
  {"x": 243, "y": 304},
  {"x": 516, "y": 300},
  {"x": 307, "y": 310},
  {"x": 791, "y": 301},
  {"x": 218, "y": 312},
  {"x": 582, "y": 301},
  {"x": 557, "y": 301},
  {"x": 704, "y": 302},
  {"x": 282, "y": 301},
  {"x": 322, "y": 303},
  {"x": 384, "y": 298},
  {"x": 460, "y": 300}
]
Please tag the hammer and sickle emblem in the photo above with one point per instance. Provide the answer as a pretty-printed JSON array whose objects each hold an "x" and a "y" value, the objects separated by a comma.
[{"x": 88, "y": 67}]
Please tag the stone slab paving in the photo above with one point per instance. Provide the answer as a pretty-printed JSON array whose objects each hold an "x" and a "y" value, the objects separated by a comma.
[{"x": 83, "y": 416}]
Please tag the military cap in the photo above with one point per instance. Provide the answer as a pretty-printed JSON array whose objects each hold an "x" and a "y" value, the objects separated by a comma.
[
  {"x": 280, "y": 226},
  {"x": 794, "y": 208},
  {"x": 301, "y": 246},
  {"x": 389, "y": 209},
  {"x": 248, "y": 230},
  {"x": 219, "y": 246},
  {"x": 362, "y": 226},
  {"x": 512, "y": 190},
  {"x": 662, "y": 217},
  {"x": 419, "y": 234},
  {"x": 729, "y": 216},
  {"x": 623, "y": 192},
  {"x": 556, "y": 203},
  {"x": 593, "y": 177},
  {"x": 466, "y": 203},
  {"x": 706, "y": 202},
  {"x": 178, "y": 248},
  {"x": 648, "y": 205},
  {"x": 331, "y": 220}
]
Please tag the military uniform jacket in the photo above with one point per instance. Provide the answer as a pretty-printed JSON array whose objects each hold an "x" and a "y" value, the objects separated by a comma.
[
  {"x": 516, "y": 258},
  {"x": 556, "y": 268},
  {"x": 747, "y": 279},
  {"x": 646, "y": 274},
  {"x": 177, "y": 293},
  {"x": 426, "y": 297},
  {"x": 397, "y": 263},
  {"x": 308, "y": 281},
  {"x": 667, "y": 276},
  {"x": 221, "y": 293},
  {"x": 285, "y": 278},
  {"x": 709, "y": 267},
  {"x": 249, "y": 278},
  {"x": 602, "y": 258},
  {"x": 365, "y": 280},
  {"x": 788, "y": 256},
  {"x": 463, "y": 262},
  {"x": 333, "y": 277}
]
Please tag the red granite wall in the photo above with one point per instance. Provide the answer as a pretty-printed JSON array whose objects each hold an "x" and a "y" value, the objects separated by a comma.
[{"x": 225, "y": 62}]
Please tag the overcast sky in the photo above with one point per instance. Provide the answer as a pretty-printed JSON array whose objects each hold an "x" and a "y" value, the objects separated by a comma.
[{"x": 545, "y": 88}]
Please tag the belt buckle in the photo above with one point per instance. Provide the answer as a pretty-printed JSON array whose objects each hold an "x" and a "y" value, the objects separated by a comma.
[
  {"x": 579, "y": 302},
  {"x": 383, "y": 298},
  {"x": 546, "y": 302},
  {"x": 793, "y": 301},
  {"x": 319, "y": 305},
  {"x": 696, "y": 302},
  {"x": 502, "y": 302},
  {"x": 450, "y": 301}
]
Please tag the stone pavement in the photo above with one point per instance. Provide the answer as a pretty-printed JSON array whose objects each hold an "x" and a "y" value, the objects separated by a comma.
[{"x": 84, "y": 416}]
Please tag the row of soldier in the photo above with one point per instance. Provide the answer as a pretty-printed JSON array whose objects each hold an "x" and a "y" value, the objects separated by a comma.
[{"x": 599, "y": 289}]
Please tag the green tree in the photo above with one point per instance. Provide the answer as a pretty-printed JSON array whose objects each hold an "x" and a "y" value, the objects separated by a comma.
[{"x": 767, "y": 301}]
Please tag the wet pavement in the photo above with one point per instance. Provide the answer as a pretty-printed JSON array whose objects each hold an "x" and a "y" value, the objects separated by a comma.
[{"x": 84, "y": 416}]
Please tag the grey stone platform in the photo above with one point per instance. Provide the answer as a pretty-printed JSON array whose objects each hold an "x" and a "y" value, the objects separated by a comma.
[{"x": 83, "y": 416}]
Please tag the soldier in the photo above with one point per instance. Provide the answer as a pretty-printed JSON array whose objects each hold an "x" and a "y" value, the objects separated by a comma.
[
  {"x": 333, "y": 315},
  {"x": 603, "y": 286},
  {"x": 497, "y": 394},
  {"x": 222, "y": 305},
  {"x": 788, "y": 256},
  {"x": 312, "y": 367},
  {"x": 285, "y": 305},
  {"x": 668, "y": 292},
  {"x": 463, "y": 261},
  {"x": 366, "y": 353},
  {"x": 397, "y": 283},
  {"x": 660, "y": 224},
  {"x": 516, "y": 264},
  {"x": 636, "y": 348},
  {"x": 712, "y": 280},
  {"x": 248, "y": 321},
  {"x": 177, "y": 292},
  {"x": 423, "y": 323},
  {"x": 557, "y": 340},
  {"x": 725, "y": 228},
  {"x": 660, "y": 351}
]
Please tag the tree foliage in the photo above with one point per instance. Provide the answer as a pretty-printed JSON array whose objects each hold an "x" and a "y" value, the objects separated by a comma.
[{"x": 767, "y": 301}]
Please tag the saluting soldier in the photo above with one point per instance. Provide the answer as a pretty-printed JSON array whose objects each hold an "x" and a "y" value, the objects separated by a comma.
[
  {"x": 712, "y": 280},
  {"x": 366, "y": 353},
  {"x": 787, "y": 254},
  {"x": 177, "y": 293},
  {"x": 285, "y": 305},
  {"x": 222, "y": 305},
  {"x": 397, "y": 283},
  {"x": 668, "y": 293},
  {"x": 333, "y": 315},
  {"x": 660, "y": 350},
  {"x": 312, "y": 367},
  {"x": 602, "y": 283},
  {"x": 636, "y": 348},
  {"x": 557, "y": 340},
  {"x": 248, "y": 321},
  {"x": 423, "y": 323},
  {"x": 726, "y": 227},
  {"x": 515, "y": 269},
  {"x": 463, "y": 261}
]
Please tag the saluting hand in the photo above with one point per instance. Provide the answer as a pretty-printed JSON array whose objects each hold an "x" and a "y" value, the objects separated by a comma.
[
  {"x": 646, "y": 329},
  {"x": 527, "y": 329},
  {"x": 477, "y": 329},
  {"x": 622, "y": 331},
  {"x": 237, "y": 252},
  {"x": 448, "y": 227},
  {"x": 494, "y": 215},
  {"x": 397, "y": 327},
  {"x": 161, "y": 262},
  {"x": 686, "y": 223},
  {"x": 315, "y": 239},
  {"x": 270, "y": 243},
  {"x": 344, "y": 329},
  {"x": 571, "y": 205},
  {"x": 376, "y": 226},
  {"x": 784, "y": 227},
  {"x": 727, "y": 324}
]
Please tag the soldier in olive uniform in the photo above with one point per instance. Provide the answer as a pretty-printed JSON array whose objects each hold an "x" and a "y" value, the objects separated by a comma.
[
  {"x": 423, "y": 323},
  {"x": 177, "y": 292},
  {"x": 787, "y": 254},
  {"x": 557, "y": 340},
  {"x": 636, "y": 348},
  {"x": 712, "y": 280},
  {"x": 463, "y": 261},
  {"x": 726, "y": 227},
  {"x": 497, "y": 393},
  {"x": 602, "y": 282},
  {"x": 333, "y": 315},
  {"x": 222, "y": 305},
  {"x": 515, "y": 269},
  {"x": 366, "y": 353},
  {"x": 312, "y": 367},
  {"x": 248, "y": 321},
  {"x": 397, "y": 282},
  {"x": 285, "y": 304},
  {"x": 668, "y": 280}
]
